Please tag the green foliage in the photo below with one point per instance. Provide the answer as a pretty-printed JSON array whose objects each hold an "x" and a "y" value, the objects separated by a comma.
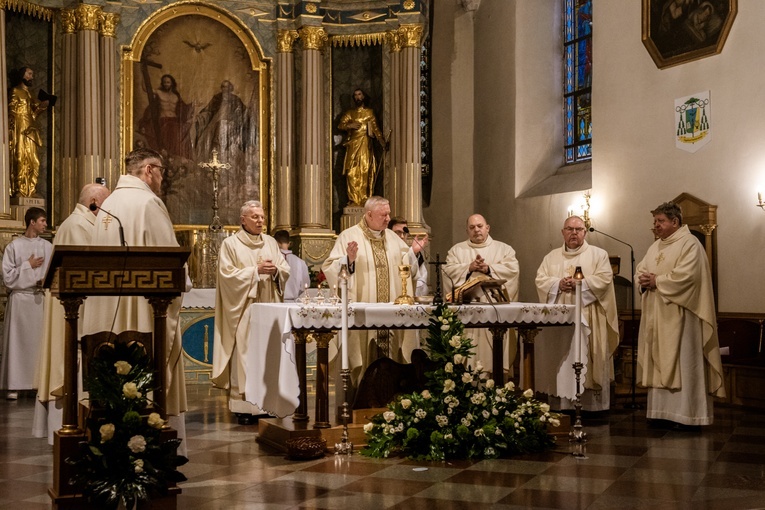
[
  {"x": 461, "y": 414},
  {"x": 124, "y": 460}
]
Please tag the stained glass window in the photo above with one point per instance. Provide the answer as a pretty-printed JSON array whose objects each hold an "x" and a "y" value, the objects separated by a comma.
[{"x": 577, "y": 91}]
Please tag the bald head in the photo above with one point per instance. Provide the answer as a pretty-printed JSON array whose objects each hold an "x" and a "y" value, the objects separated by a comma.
[
  {"x": 477, "y": 229},
  {"x": 93, "y": 194}
]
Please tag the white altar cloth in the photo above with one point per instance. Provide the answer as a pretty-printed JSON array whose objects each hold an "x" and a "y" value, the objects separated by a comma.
[{"x": 272, "y": 378}]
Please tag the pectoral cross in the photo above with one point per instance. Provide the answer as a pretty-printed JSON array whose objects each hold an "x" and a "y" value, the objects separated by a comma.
[
  {"x": 215, "y": 166},
  {"x": 106, "y": 220}
]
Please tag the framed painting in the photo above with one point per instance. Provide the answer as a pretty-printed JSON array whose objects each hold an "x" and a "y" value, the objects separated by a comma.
[
  {"x": 195, "y": 82},
  {"x": 680, "y": 31}
]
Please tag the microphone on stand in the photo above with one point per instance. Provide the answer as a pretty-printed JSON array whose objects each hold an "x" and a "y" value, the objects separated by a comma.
[
  {"x": 633, "y": 338},
  {"x": 94, "y": 207}
]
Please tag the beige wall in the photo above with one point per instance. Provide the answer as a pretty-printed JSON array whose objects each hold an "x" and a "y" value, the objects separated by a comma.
[{"x": 513, "y": 119}]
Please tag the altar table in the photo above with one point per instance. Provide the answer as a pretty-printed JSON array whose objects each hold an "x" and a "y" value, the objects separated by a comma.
[{"x": 275, "y": 357}]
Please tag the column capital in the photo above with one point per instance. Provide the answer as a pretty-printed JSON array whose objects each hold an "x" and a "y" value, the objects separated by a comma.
[
  {"x": 285, "y": 39},
  {"x": 411, "y": 35},
  {"x": 108, "y": 22},
  {"x": 86, "y": 16},
  {"x": 394, "y": 40},
  {"x": 313, "y": 38},
  {"x": 68, "y": 21}
]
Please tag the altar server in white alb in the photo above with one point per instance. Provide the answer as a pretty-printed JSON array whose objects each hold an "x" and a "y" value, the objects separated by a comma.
[
  {"x": 136, "y": 203},
  {"x": 25, "y": 261},
  {"x": 251, "y": 269},
  {"x": 553, "y": 353},
  {"x": 481, "y": 255},
  {"x": 373, "y": 254},
  {"x": 75, "y": 230},
  {"x": 678, "y": 350}
]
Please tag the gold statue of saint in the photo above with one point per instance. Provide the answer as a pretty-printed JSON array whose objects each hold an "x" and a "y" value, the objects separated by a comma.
[
  {"x": 25, "y": 138},
  {"x": 359, "y": 166}
]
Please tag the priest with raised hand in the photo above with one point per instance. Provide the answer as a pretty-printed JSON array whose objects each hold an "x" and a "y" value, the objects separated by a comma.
[
  {"x": 478, "y": 257},
  {"x": 251, "y": 269},
  {"x": 555, "y": 284},
  {"x": 678, "y": 350},
  {"x": 373, "y": 254},
  {"x": 75, "y": 230}
]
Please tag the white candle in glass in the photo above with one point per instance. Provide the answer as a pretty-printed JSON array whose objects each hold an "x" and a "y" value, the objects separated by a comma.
[
  {"x": 344, "y": 322},
  {"x": 578, "y": 324}
]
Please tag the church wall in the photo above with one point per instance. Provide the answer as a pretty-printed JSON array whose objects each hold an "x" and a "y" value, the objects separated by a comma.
[{"x": 635, "y": 165}]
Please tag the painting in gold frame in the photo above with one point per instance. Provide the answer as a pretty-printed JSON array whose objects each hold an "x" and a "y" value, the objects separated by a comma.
[
  {"x": 196, "y": 81},
  {"x": 680, "y": 31}
]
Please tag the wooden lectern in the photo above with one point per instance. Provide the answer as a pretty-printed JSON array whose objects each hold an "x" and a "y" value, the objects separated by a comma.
[{"x": 76, "y": 272}]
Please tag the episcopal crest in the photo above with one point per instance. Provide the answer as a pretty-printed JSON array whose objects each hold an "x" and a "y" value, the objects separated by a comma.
[{"x": 692, "y": 121}]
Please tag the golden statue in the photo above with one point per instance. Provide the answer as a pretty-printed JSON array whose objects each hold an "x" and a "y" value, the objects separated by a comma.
[
  {"x": 359, "y": 166},
  {"x": 25, "y": 139}
]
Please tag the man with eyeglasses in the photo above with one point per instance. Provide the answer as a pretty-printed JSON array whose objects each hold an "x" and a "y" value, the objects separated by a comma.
[
  {"x": 555, "y": 284},
  {"x": 146, "y": 222},
  {"x": 399, "y": 226}
]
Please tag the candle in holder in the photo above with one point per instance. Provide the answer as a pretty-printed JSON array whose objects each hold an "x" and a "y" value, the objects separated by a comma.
[
  {"x": 344, "y": 316},
  {"x": 578, "y": 276}
]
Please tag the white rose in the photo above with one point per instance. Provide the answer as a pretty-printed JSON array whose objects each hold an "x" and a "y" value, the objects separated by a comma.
[
  {"x": 455, "y": 341},
  {"x": 138, "y": 463},
  {"x": 445, "y": 327},
  {"x": 389, "y": 416},
  {"x": 448, "y": 385},
  {"x": 448, "y": 368},
  {"x": 107, "y": 432},
  {"x": 425, "y": 394},
  {"x": 405, "y": 403},
  {"x": 155, "y": 420},
  {"x": 123, "y": 367},
  {"x": 458, "y": 359},
  {"x": 489, "y": 384},
  {"x": 137, "y": 444},
  {"x": 555, "y": 422},
  {"x": 509, "y": 386},
  {"x": 130, "y": 390},
  {"x": 545, "y": 408},
  {"x": 369, "y": 426},
  {"x": 478, "y": 366},
  {"x": 528, "y": 393},
  {"x": 467, "y": 377}
]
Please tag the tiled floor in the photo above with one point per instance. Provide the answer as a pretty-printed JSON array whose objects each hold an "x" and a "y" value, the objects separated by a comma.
[{"x": 628, "y": 465}]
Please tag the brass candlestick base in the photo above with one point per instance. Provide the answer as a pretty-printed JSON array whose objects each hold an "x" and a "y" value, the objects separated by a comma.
[{"x": 404, "y": 299}]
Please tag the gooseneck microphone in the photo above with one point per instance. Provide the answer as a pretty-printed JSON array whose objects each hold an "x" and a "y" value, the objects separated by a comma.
[
  {"x": 94, "y": 207},
  {"x": 633, "y": 338}
]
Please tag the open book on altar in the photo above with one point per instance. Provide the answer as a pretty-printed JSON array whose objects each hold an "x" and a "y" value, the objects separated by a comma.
[{"x": 480, "y": 286}]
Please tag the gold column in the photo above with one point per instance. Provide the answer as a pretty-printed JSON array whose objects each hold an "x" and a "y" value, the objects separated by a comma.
[
  {"x": 284, "y": 203},
  {"x": 68, "y": 192},
  {"x": 313, "y": 210},
  {"x": 409, "y": 175},
  {"x": 108, "y": 59},
  {"x": 90, "y": 141},
  {"x": 393, "y": 192},
  {"x": 5, "y": 155}
]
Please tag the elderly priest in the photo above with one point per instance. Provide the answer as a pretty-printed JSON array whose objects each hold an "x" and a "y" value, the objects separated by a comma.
[
  {"x": 373, "y": 254},
  {"x": 251, "y": 269},
  {"x": 555, "y": 284}
]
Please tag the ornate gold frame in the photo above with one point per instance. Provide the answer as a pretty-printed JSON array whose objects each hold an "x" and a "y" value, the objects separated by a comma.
[
  {"x": 258, "y": 60},
  {"x": 649, "y": 37}
]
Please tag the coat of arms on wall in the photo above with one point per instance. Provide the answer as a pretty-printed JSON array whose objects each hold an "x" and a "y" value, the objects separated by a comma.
[{"x": 693, "y": 116}]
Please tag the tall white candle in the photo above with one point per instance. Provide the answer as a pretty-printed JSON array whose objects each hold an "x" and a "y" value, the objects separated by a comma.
[
  {"x": 344, "y": 321},
  {"x": 578, "y": 324}
]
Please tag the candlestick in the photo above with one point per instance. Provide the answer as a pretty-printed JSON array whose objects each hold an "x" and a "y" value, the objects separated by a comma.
[
  {"x": 578, "y": 276},
  {"x": 343, "y": 277}
]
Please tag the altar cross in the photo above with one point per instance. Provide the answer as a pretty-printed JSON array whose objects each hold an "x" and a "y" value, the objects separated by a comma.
[{"x": 215, "y": 167}]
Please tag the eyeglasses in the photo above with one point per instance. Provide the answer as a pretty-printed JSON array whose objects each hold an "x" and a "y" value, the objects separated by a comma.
[
  {"x": 161, "y": 168},
  {"x": 572, "y": 229}
]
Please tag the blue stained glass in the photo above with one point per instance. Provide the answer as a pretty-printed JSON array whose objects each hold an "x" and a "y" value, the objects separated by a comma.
[{"x": 577, "y": 69}]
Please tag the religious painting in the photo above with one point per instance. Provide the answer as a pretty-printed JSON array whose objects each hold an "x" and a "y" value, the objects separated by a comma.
[
  {"x": 199, "y": 87},
  {"x": 679, "y": 31}
]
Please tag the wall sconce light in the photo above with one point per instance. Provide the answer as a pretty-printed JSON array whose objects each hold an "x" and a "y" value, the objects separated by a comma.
[
  {"x": 760, "y": 203},
  {"x": 585, "y": 207}
]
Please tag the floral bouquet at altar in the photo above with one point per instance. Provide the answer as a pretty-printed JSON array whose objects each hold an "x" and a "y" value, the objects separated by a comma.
[
  {"x": 461, "y": 414},
  {"x": 125, "y": 461}
]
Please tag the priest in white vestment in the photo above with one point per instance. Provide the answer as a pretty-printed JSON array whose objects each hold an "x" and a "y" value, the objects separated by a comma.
[
  {"x": 373, "y": 254},
  {"x": 25, "y": 261},
  {"x": 146, "y": 222},
  {"x": 554, "y": 374},
  {"x": 479, "y": 256},
  {"x": 75, "y": 230},
  {"x": 251, "y": 269},
  {"x": 678, "y": 350},
  {"x": 399, "y": 225}
]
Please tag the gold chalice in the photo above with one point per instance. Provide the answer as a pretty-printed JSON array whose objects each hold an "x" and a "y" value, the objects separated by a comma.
[{"x": 404, "y": 299}]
